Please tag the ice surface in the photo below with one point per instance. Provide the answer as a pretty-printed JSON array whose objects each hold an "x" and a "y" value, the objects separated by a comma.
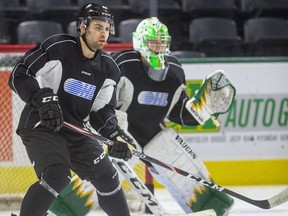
[{"x": 240, "y": 208}]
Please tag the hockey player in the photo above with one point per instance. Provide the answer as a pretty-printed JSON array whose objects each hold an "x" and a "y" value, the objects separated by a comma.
[
  {"x": 72, "y": 79},
  {"x": 152, "y": 89}
]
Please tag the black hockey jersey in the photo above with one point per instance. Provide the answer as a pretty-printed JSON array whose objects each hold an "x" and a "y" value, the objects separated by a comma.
[
  {"x": 83, "y": 86},
  {"x": 148, "y": 102}
]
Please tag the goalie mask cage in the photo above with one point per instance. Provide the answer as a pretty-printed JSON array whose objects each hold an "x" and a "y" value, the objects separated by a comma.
[{"x": 16, "y": 171}]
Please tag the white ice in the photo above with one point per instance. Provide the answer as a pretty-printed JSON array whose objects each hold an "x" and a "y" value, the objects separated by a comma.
[{"x": 240, "y": 208}]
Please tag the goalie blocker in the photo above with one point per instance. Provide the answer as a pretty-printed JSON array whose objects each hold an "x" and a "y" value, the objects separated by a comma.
[{"x": 213, "y": 98}]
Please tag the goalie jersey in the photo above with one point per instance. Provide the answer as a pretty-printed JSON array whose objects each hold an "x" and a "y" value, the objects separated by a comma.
[{"x": 147, "y": 101}]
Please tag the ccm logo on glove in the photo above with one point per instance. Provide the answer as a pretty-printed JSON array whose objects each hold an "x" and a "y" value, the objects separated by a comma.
[
  {"x": 49, "y": 99},
  {"x": 50, "y": 112}
]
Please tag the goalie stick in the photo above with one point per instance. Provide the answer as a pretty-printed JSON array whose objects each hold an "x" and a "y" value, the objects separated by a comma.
[{"x": 272, "y": 202}]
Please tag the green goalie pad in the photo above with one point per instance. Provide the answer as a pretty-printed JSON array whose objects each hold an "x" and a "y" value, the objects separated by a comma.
[
  {"x": 215, "y": 97},
  {"x": 220, "y": 202},
  {"x": 73, "y": 200}
]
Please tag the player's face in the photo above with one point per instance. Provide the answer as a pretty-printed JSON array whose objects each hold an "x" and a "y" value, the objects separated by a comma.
[
  {"x": 157, "y": 46},
  {"x": 97, "y": 34}
]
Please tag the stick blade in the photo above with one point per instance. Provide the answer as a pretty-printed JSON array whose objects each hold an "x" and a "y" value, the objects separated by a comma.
[{"x": 278, "y": 199}]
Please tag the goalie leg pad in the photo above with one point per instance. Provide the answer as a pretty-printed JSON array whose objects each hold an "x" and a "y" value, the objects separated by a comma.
[
  {"x": 60, "y": 208},
  {"x": 80, "y": 197},
  {"x": 167, "y": 146},
  {"x": 220, "y": 202},
  {"x": 77, "y": 199}
]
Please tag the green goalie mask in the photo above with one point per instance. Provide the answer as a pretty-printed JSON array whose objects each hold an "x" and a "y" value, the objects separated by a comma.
[{"x": 152, "y": 40}]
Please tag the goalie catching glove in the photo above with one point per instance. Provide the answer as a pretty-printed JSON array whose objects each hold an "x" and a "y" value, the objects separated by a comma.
[
  {"x": 50, "y": 112},
  {"x": 123, "y": 145},
  {"x": 213, "y": 98}
]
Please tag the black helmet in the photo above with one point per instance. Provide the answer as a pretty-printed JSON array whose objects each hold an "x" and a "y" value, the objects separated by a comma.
[{"x": 92, "y": 11}]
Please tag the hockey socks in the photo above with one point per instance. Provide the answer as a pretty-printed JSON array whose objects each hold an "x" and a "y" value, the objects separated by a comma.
[
  {"x": 36, "y": 201},
  {"x": 114, "y": 205},
  {"x": 41, "y": 194}
]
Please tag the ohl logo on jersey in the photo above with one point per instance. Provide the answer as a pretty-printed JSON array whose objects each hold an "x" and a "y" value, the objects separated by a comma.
[
  {"x": 79, "y": 88},
  {"x": 153, "y": 98}
]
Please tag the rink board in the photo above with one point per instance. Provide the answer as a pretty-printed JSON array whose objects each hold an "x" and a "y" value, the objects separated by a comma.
[
  {"x": 256, "y": 172},
  {"x": 237, "y": 153}
]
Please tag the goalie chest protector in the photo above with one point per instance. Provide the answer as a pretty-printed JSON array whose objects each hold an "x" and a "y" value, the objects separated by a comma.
[{"x": 149, "y": 100}]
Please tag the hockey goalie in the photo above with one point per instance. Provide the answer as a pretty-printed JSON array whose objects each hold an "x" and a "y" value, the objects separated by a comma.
[{"x": 151, "y": 89}]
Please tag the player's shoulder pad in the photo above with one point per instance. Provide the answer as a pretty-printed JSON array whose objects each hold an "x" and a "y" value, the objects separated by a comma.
[
  {"x": 108, "y": 58},
  {"x": 58, "y": 40},
  {"x": 175, "y": 67},
  {"x": 124, "y": 56},
  {"x": 173, "y": 62},
  {"x": 114, "y": 71}
]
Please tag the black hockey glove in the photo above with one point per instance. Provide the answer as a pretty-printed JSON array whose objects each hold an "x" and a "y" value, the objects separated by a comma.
[
  {"x": 50, "y": 112},
  {"x": 122, "y": 145}
]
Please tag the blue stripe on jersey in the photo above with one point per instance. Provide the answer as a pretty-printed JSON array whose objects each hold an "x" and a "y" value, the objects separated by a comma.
[
  {"x": 79, "y": 88},
  {"x": 153, "y": 98}
]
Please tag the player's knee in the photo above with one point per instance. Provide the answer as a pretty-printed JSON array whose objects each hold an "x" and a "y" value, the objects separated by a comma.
[
  {"x": 108, "y": 182},
  {"x": 57, "y": 176}
]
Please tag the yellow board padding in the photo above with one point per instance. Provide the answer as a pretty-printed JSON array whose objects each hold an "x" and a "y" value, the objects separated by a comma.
[
  {"x": 246, "y": 172},
  {"x": 249, "y": 172},
  {"x": 16, "y": 179}
]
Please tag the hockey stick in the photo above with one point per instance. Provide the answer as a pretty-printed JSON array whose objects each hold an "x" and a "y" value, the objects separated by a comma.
[
  {"x": 149, "y": 199},
  {"x": 146, "y": 195},
  {"x": 264, "y": 204}
]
